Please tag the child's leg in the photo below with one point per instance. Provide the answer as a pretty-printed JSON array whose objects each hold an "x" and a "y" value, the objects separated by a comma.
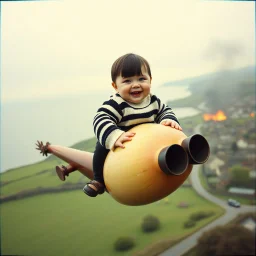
[
  {"x": 97, "y": 186},
  {"x": 99, "y": 158}
]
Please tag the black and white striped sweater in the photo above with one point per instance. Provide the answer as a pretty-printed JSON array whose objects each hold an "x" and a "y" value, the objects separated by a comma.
[{"x": 117, "y": 116}]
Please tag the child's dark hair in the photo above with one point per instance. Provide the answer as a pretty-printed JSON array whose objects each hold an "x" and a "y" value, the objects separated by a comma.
[{"x": 129, "y": 65}]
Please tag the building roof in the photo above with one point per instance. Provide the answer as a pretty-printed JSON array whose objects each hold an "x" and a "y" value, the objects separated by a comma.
[{"x": 244, "y": 191}]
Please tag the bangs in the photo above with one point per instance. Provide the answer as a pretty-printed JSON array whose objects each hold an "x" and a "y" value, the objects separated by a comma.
[{"x": 129, "y": 65}]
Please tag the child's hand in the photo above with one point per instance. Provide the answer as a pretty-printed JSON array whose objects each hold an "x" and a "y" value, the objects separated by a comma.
[
  {"x": 172, "y": 123},
  {"x": 126, "y": 136}
]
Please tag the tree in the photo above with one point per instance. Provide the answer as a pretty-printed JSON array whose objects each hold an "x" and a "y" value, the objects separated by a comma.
[
  {"x": 150, "y": 223},
  {"x": 124, "y": 243},
  {"x": 226, "y": 240}
]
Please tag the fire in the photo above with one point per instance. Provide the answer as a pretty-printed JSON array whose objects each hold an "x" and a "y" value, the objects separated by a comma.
[{"x": 218, "y": 116}]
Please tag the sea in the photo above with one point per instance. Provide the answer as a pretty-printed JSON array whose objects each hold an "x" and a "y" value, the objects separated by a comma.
[{"x": 63, "y": 120}]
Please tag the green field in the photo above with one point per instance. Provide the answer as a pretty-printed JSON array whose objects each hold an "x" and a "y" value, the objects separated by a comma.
[{"x": 71, "y": 223}]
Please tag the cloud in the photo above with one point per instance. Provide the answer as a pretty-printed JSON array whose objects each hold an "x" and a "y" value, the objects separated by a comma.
[{"x": 226, "y": 53}]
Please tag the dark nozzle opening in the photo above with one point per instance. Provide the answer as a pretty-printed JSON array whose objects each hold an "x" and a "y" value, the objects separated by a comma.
[
  {"x": 173, "y": 160},
  {"x": 197, "y": 148}
]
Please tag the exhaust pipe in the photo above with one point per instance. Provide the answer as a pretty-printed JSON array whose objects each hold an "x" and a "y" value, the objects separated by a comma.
[
  {"x": 173, "y": 160},
  {"x": 197, "y": 148}
]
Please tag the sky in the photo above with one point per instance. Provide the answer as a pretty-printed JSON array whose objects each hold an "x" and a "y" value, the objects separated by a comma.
[{"x": 60, "y": 48}]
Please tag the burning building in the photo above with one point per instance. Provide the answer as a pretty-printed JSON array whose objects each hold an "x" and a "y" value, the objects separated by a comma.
[{"x": 218, "y": 116}]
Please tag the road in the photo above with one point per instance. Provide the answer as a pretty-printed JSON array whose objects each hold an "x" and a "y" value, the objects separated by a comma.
[{"x": 191, "y": 241}]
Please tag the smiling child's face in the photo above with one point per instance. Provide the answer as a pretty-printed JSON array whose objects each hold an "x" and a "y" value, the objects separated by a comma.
[{"x": 133, "y": 89}]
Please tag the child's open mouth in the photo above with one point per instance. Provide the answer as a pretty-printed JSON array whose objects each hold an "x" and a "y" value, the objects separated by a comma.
[{"x": 136, "y": 94}]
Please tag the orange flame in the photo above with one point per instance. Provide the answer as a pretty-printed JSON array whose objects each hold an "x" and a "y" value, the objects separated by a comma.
[
  {"x": 219, "y": 116},
  {"x": 252, "y": 114}
]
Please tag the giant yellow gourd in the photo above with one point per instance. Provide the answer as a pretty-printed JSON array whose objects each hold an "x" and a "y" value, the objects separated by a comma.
[{"x": 151, "y": 166}]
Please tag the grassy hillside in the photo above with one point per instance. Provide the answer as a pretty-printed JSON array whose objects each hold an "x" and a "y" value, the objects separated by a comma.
[
  {"x": 41, "y": 174},
  {"x": 70, "y": 223}
]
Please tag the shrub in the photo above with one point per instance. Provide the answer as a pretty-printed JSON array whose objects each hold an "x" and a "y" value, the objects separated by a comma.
[
  {"x": 183, "y": 205},
  {"x": 226, "y": 240},
  {"x": 150, "y": 223},
  {"x": 189, "y": 224},
  {"x": 200, "y": 215},
  {"x": 124, "y": 243}
]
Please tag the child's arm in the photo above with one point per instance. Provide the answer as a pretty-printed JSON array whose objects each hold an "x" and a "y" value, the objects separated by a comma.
[
  {"x": 105, "y": 124},
  {"x": 166, "y": 116}
]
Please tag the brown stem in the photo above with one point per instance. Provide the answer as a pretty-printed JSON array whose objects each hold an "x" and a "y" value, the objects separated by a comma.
[{"x": 64, "y": 171}]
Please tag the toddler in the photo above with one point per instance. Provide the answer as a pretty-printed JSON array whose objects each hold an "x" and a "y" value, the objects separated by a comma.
[{"x": 131, "y": 105}]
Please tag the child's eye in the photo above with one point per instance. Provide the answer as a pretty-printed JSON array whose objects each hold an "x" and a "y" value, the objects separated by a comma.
[
  {"x": 142, "y": 78},
  {"x": 127, "y": 81}
]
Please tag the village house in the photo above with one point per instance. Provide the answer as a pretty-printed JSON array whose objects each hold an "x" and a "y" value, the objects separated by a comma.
[
  {"x": 232, "y": 143},
  {"x": 242, "y": 191},
  {"x": 214, "y": 166}
]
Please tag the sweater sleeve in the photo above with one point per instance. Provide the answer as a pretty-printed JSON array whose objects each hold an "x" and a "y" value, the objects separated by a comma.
[
  {"x": 105, "y": 123},
  {"x": 165, "y": 113}
]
